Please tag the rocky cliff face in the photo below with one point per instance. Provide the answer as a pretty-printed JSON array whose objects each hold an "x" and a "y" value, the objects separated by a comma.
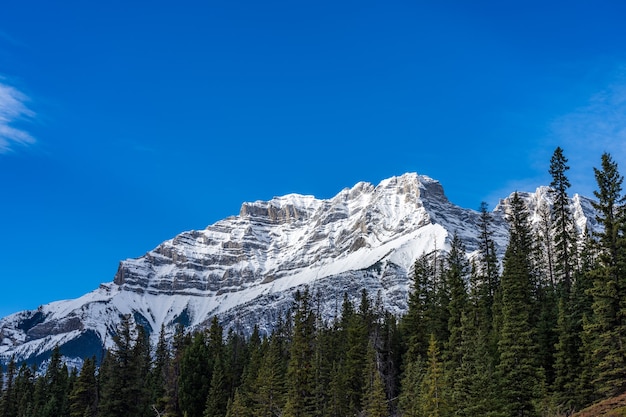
[{"x": 245, "y": 268}]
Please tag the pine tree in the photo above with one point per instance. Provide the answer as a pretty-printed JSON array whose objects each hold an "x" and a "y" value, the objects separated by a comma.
[
  {"x": 573, "y": 371},
  {"x": 83, "y": 398},
  {"x": 24, "y": 390},
  {"x": 488, "y": 258},
  {"x": 270, "y": 385},
  {"x": 606, "y": 329},
  {"x": 194, "y": 382},
  {"x": 517, "y": 370},
  {"x": 456, "y": 276},
  {"x": 563, "y": 223},
  {"x": 300, "y": 372},
  {"x": 142, "y": 365},
  {"x": 356, "y": 339},
  {"x": 325, "y": 355},
  {"x": 123, "y": 376},
  {"x": 486, "y": 273},
  {"x": 545, "y": 241},
  {"x": 235, "y": 360},
  {"x": 424, "y": 315},
  {"x": 248, "y": 389},
  {"x": 159, "y": 374},
  {"x": 485, "y": 298},
  {"x": 9, "y": 395},
  {"x": 171, "y": 400},
  {"x": 390, "y": 351},
  {"x": 375, "y": 399},
  {"x": 567, "y": 359},
  {"x": 56, "y": 385},
  {"x": 546, "y": 302},
  {"x": 582, "y": 312},
  {"x": 217, "y": 398},
  {"x": 237, "y": 407},
  {"x": 433, "y": 395},
  {"x": 474, "y": 391},
  {"x": 410, "y": 394}
]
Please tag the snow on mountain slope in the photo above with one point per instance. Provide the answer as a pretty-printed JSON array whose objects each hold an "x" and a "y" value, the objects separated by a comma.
[{"x": 245, "y": 268}]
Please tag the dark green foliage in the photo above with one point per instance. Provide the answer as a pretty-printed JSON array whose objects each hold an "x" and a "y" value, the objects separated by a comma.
[
  {"x": 48, "y": 394},
  {"x": 410, "y": 395},
  {"x": 124, "y": 372},
  {"x": 217, "y": 398},
  {"x": 605, "y": 330},
  {"x": 195, "y": 377},
  {"x": 24, "y": 390},
  {"x": 518, "y": 370},
  {"x": 160, "y": 374},
  {"x": 433, "y": 392},
  {"x": 546, "y": 310},
  {"x": 238, "y": 407},
  {"x": 300, "y": 372},
  {"x": 357, "y": 332},
  {"x": 562, "y": 221},
  {"x": 428, "y": 310},
  {"x": 83, "y": 398},
  {"x": 375, "y": 398},
  {"x": 269, "y": 397},
  {"x": 456, "y": 275}
]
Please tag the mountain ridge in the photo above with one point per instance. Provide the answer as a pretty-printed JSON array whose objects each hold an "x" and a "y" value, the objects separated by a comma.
[{"x": 245, "y": 268}]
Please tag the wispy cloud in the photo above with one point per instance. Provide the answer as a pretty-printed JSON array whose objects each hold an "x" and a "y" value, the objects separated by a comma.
[
  {"x": 587, "y": 132},
  {"x": 13, "y": 109}
]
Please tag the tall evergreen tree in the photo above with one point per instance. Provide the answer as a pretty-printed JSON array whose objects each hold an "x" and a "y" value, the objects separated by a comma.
[
  {"x": 485, "y": 288},
  {"x": 517, "y": 370},
  {"x": 123, "y": 378},
  {"x": 24, "y": 391},
  {"x": 171, "y": 400},
  {"x": 427, "y": 307},
  {"x": 300, "y": 373},
  {"x": 433, "y": 395},
  {"x": 159, "y": 374},
  {"x": 217, "y": 398},
  {"x": 488, "y": 260},
  {"x": 56, "y": 383},
  {"x": 248, "y": 388},
  {"x": 196, "y": 369},
  {"x": 270, "y": 391},
  {"x": 9, "y": 396},
  {"x": 415, "y": 323},
  {"x": 545, "y": 242},
  {"x": 237, "y": 407},
  {"x": 375, "y": 398},
  {"x": 84, "y": 396},
  {"x": 456, "y": 275},
  {"x": 473, "y": 389},
  {"x": 606, "y": 330},
  {"x": 563, "y": 223},
  {"x": 357, "y": 336},
  {"x": 582, "y": 313},
  {"x": 409, "y": 401}
]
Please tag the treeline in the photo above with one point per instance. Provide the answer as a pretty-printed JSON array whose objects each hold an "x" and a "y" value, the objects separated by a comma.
[
  {"x": 542, "y": 334},
  {"x": 305, "y": 367}
]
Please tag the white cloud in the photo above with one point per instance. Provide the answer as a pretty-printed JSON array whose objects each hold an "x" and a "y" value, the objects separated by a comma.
[
  {"x": 12, "y": 109},
  {"x": 589, "y": 131}
]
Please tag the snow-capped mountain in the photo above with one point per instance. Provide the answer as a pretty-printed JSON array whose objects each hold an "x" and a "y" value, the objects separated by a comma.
[{"x": 245, "y": 268}]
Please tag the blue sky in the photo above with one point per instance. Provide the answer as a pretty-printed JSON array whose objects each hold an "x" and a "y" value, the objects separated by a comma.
[{"x": 125, "y": 123}]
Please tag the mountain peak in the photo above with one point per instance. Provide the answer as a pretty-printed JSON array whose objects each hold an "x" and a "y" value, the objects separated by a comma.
[{"x": 245, "y": 268}]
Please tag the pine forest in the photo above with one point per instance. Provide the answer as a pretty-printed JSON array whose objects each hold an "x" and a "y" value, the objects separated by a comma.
[{"x": 540, "y": 333}]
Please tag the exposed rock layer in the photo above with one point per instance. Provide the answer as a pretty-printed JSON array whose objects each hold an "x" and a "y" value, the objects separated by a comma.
[{"x": 245, "y": 268}]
